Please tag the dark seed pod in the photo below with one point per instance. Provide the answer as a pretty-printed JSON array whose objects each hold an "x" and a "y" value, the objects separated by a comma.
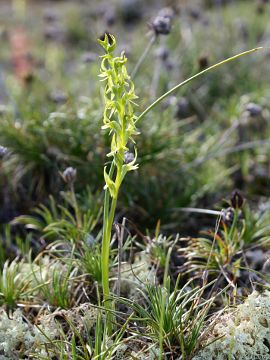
[
  {"x": 128, "y": 157},
  {"x": 203, "y": 62},
  {"x": 69, "y": 175},
  {"x": 237, "y": 199}
]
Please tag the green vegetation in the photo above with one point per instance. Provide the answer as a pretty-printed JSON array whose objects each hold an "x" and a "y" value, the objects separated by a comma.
[{"x": 135, "y": 210}]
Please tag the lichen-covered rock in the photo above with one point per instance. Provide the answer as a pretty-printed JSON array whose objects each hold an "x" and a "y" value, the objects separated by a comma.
[
  {"x": 242, "y": 334},
  {"x": 133, "y": 276},
  {"x": 125, "y": 352},
  {"x": 19, "y": 338}
]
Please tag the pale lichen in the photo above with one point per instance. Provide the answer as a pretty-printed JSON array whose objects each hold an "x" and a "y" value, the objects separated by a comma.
[
  {"x": 19, "y": 338},
  {"x": 242, "y": 333}
]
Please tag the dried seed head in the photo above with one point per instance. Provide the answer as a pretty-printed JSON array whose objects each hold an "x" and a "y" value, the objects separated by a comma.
[
  {"x": 162, "y": 25},
  {"x": 253, "y": 109},
  {"x": 128, "y": 157},
  {"x": 69, "y": 175},
  {"x": 228, "y": 215},
  {"x": 237, "y": 199}
]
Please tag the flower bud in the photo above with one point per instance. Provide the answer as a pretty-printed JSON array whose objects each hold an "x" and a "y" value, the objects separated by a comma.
[{"x": 237, "y": 199}]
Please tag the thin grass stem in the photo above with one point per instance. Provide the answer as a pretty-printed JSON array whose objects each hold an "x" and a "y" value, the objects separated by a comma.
[
  {"x": 143, "y": 56},
  {"x": 178, "y": 86}
]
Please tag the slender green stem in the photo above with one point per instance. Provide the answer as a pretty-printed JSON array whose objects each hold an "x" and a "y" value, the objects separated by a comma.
[
  {"x": 178, "y": 86},
  {"x": 109, "y": 213},
  {"x": 143, "y": 56},
  {"x": 105, "y": 252},
  {"x": 165, "y": 292}
]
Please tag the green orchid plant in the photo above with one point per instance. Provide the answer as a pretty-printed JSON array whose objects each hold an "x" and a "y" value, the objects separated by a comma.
[{"x": 120, "y": 120}]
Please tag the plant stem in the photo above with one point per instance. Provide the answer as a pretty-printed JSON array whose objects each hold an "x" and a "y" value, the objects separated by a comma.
[
  {"x": 109, "y": 213},
  {"x": 165, "y": 291},
  {"x": 105, "y": 252},
  {"x": 143, "y": 56},
  {"x": 178, "y": 86}
]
